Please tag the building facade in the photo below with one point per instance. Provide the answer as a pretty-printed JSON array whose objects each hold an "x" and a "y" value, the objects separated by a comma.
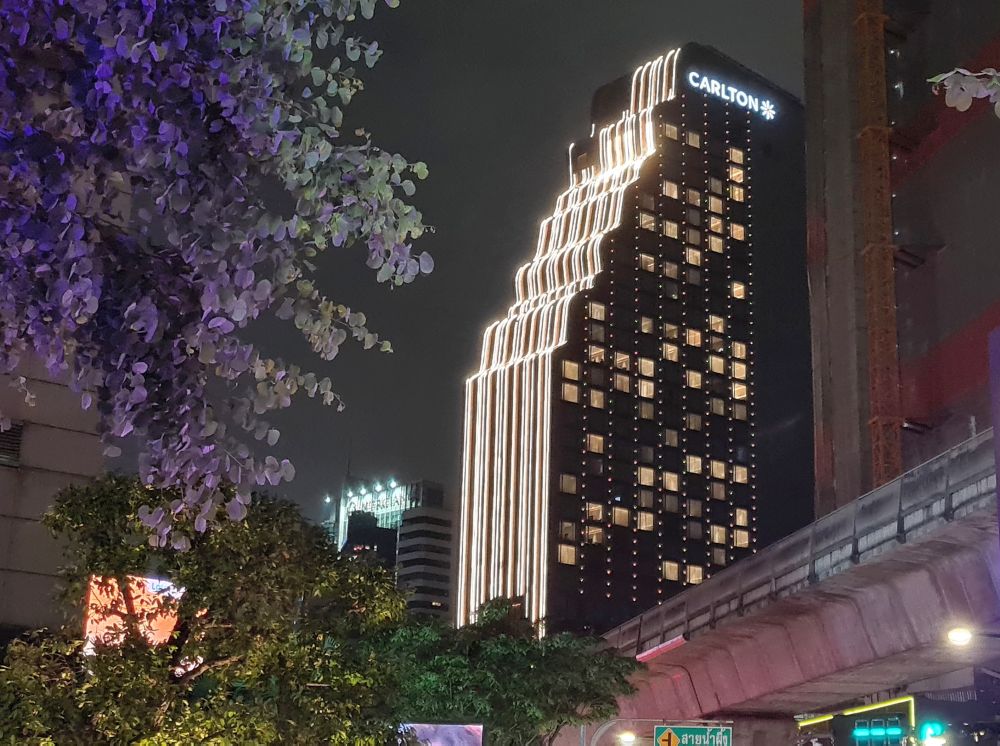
[
  {"x": 922, "y": 199},
  {"x": 51, "y": 445},
  {"x": 610, "y": 452},
  {"x": 408, "y": 528}
]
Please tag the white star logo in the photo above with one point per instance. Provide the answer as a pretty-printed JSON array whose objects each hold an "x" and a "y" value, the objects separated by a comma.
[{"x": 767, "y": 110}]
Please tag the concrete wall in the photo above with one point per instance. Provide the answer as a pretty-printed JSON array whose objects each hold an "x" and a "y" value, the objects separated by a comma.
[{"x": 58, "y": 447}]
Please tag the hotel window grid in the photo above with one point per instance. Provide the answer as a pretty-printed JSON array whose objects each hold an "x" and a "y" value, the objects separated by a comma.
[
  {"x": 596, "y": 310},
  {"x": 739, "y": 390},
  {"x": 647, "y": 367},
  {"x": 647, "y": 221},
  {"x": 596, "y": 397},
  {"x": 694, "y": 197},
  {"x": 671, "y": 503},
  {"x": 692, "y": 421},
  {"x": 671, "y": 481},
  {"x": 694, "y": 574},
  {"x": 736, "y": 174},
  {"x": 694, "y": 530},
  {"x": 622, "y": 382},
  {"x": 716, "y": 343},
  {"x": 595, "y": 443},
  {"x": 738, "y": 231},
  {"x": 692, "y": 337},
  {"x": 671, "y": 270},
  {"x": 644, "y": 521},
  {"x": 717, "y": 534},
  {"x": 670, "y": 437},
  {"x": 692, "y": 464},
  {"x": 694, "y": 217},
  {"x": 593, "y": 534},
  {"x": 718, "y": 556},
  {"x": 567, "y": 484},
  {"x": 715, "y": 204},
  {"x": 736, "y": 155},
  {"x": 671, "y": 189},
  {"x": 670, "y": 130},
  {"x": 671, "y": 352},
  {"x": 718, "y": 469},
  {"x": 670, "y": 570},
  {"x": 715, "y": 186},
  {"x": 718, "y": 405},
  {"x": 622, "y": 361},
  {"x": 717, "y": 323},
  {"x": 646, "y": 475},
  {"x": 571, "y": 370},
  {"x": 694, "y": 508},
  {"x": 693, "y": 378},
  {"x": 740, "y": 371},
  {"x": 595, "y": 511},
  {"x": 693, "y": 256},
  {"x": 571, "y": 393},
  {"x": 646, "y": 324},
  {"x": 567, "y": 530},
  {"x": 737, "y": 193},
  {"x": 595, "y": 353},
  {"x": 739, "y": 411},
  {"x": 740, "y": 350},
  {"x": 647, "y": 262},
  {"x": 567, "y": 554},
  {"x": 671, "y": 229},
  {"x": 738, "y": 290},
  {"x": 741, "y": 538},
  {"x": 742, "y": 517},
  {"x": 716, "y": 244},
  {"x": 692, "y": 138},
  {"x": 597, "y": 332},
  {"x": 715, "y": 224},
  {"x": 740, "y": 474},
  {"x": 716, "y": 364},
  {"x": 718, "y": 491}
]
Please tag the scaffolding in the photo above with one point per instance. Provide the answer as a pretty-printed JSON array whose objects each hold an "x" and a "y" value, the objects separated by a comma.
[{"x": 885, "y": 423}]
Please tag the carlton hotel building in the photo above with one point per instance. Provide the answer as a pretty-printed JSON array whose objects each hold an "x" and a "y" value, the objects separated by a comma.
[{"x": 609, "y": 452}]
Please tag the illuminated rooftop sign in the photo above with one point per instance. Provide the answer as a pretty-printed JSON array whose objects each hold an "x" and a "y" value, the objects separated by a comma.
[{"x": 732, "y": 94}]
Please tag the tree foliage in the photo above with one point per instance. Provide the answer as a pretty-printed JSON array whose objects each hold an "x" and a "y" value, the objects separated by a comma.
[
  {"x": 962, "y": 87},
  {"x": 170, "y": 170},
  {"x": 271, "y": 643},
  {"x": 500, "y": 673}
]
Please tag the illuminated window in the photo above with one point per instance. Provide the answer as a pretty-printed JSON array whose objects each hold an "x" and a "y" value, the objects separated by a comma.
[
  {"x": 717, "y": 491},
  {"x": 736, "y": 174},
  {"x": 571, "y": 370},
  {"x": 716, "y": 364},
  {"x": 670, "y": 269},
  {"x": 571, "y": 393},
  {"x": 647, "y": 220},
  {"x": 646, "y": 388},
  {"x": 646, "y": 324},
  {"x": 736, "y": 155},
  {"x": 596, "y": 310},
  {"x": 737, "y": 231},
  {"x": 595, "y": 354},
  {"x": 716, "y": 343},
  {"x": 740, "y": 350},
  {"x": 567, "y": 530},
  {"x": 670, "y": 570},
  {"x": 692, "y": 138},
  {"x": 693, "y": 337},
  {"x": 593, "y": 534},
  {"x": 596, "y": 398},
  {"x": 647, "y": 262},
  {"x": 567, "y": 483},
  {"x": 715, "y": 185},
  {"x": 620, "y": 516},
  {"x": 694, "y": 508},
  {"x": 671, "y": 503},
  {"x": 694, "y": 197},
  {"x": 670, "y": 189},
  {"x": 694, "y": 530},
  {"x": 693, "y": 237},
  {"x": 694, "y": 574},
  {"x": 736, "y": 193},
  {"x": 718, "y": 556},
  {"x": 717, "y": 534},
  {"x": 715, "y": 224},
  {"x": 716, "y": 244},
  {"x": 692, "y": 464},
  {"x": 567, "y": 554},
  {"x": 595, "y": 443},
  {"x": 595, "y": 512},
  {"x": 738, "y": 290},
  {"x": 623, "y": 382},
  {"x": 671, "y": 352},
  {"x": 692, "y": 256},
  {"x": 718, "y": 469},
  {"x": 716, "y": 323},
  {"x": 646, "y": 476},
  {"x": 671, "y": 331},
  {"x": 692, "y": 421},
  {"x": 646, "y": 367},
  {"x": 644, "y": 521},
  {"x": 670, "y": 130},
  {"x": 715, "y": 204},
  {"x": 740, "y": 371},
  {"x": 739, "y": 390},
  {"x": 718, "y": 405},
  {"x": 670, "y": 437},
  {"x": 671, "y": 229},
  {"x": 621, "y": 360},
  {"x": 646, "y": 411},
  {"x": 671, "y": 481},
  {"x": 742, "y": 517},
  {"x": 739, "y": 411},
  {"x": 740, "y": 474},
  {"x": 693, "y": 378},
  {"x": 741, "y": 538}
]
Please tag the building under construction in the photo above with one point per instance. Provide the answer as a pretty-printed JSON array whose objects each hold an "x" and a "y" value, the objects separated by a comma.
[{"x": 902, "y": 269}]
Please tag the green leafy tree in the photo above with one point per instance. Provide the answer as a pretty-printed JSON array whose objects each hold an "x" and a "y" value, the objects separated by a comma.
[
  {"x": 498, "y": 672},
  {"x": 269, "y": 646}
]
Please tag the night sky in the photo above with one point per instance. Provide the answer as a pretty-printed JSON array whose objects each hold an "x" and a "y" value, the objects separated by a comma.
[{"x": 489, "y": 94}]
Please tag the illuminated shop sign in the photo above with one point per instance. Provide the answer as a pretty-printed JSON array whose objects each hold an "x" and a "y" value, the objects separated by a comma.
[{"x": 732, "y": 94}]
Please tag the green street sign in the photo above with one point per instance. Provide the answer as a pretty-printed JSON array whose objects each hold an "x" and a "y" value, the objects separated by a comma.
[{"x": 693, "y": 735}]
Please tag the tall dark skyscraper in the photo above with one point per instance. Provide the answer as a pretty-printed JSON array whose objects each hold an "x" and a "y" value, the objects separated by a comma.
[{"x": 610, "y": 454}]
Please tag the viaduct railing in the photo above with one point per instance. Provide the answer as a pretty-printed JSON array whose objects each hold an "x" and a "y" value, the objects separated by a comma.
[{"x": 957, "y": 483}]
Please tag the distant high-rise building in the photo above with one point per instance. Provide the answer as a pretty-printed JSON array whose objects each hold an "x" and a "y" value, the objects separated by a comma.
[
  {"x": 408, "y": 528},
  {"x": 610, "y": 454},
  {"x": 902, "y": 249}
]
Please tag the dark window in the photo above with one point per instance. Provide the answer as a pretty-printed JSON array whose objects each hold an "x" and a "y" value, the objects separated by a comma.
[{"x": 10, "y": 445}]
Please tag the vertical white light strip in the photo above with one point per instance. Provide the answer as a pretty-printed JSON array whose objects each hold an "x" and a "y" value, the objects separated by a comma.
[{"x": 503, "y": 545}]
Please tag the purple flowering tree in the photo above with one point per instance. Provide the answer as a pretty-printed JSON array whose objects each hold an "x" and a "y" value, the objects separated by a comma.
[{"x": 169, "y": 172}]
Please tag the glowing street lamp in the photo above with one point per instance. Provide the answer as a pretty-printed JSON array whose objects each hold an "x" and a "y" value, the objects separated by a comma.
[
  {"x": 626, "y": 738},
  {"x": 960, "y": 636}
]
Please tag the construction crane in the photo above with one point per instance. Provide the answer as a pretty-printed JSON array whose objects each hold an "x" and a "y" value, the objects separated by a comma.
[{"x": 873, "y": 135}]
